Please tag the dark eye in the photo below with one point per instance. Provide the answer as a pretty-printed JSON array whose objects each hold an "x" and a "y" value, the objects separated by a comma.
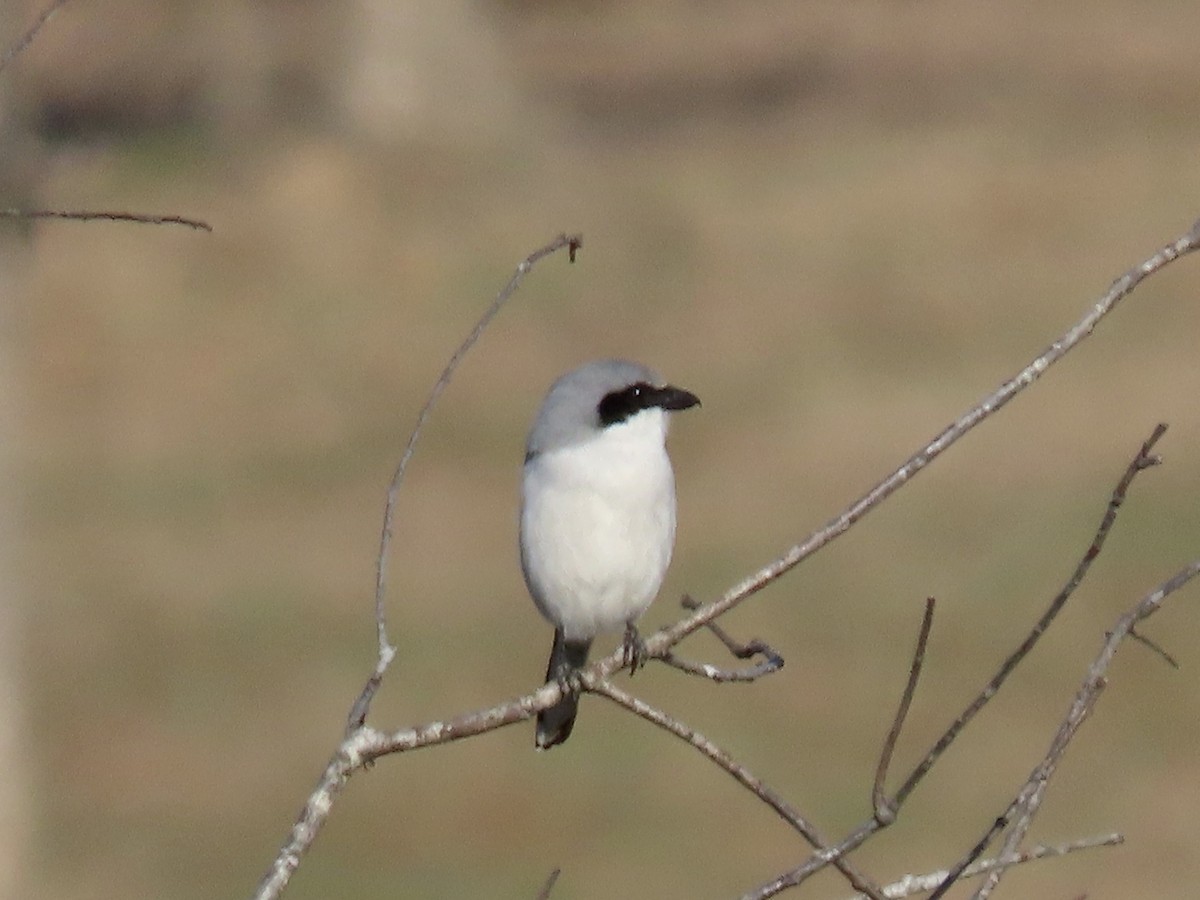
[{"x": 620, "y": 405}]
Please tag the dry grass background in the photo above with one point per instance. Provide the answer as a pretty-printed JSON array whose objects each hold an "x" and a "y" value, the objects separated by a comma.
[{"x": 839, "y": 223}]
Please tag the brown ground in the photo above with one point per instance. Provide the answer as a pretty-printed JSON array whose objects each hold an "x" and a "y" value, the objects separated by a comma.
[{"x": 840, "y": 224}]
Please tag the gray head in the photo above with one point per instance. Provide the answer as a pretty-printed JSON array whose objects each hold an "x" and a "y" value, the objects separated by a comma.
[{"x": 599, "y": 395}]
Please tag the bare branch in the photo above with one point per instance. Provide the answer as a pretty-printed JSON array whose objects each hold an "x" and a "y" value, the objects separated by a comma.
[
  {"x": 1029, "y": 800},
  {"x": 815, "y": 863},
  {"x": 835, "y": 527},
  {"x": 1154, "y": 647},
  {"x": 18, "y": 47},
  {"x": 956, "y": 872},
  {"x": 348, "y": 757},
  {"x": 739, "y": 649},
  {"x": 743, "y": 776},
  {"x": 1144, "y": 459},
  {"x": 361, "y": 744},
  {"x": 771, "y": 662},
  {"x": 918, "y": 884},
  {"x": 371, "y": 744},
  {"x": 364, "y": 745},
  {"x": 89, "y": 215},
  {"x": 12, "y": 53},
  {"x": 358, "y": 713},
  {"x": 544, "y": 893},
  {"x": 885, "y": 809}
]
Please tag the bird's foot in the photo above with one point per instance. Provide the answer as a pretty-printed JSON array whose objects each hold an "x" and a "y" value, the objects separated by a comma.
[
  {"x": 570, "y": 683},
  {"x": 634, "y": 648}
]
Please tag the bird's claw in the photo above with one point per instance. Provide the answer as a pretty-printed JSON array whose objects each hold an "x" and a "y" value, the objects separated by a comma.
[
  {"x": 570, "y": 683},
  {"x": 634, "y": 648}
]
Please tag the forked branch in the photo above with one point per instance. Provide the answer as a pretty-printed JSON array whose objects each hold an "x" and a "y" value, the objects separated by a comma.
[
  {"x": 770, "y": 663},
  {"x": 16, "y": 49},
  {"x": 839, "y": 524},
  {"x": 364, "y": 744},
  {"x": 886, "y": 809},
  {"x": 1027, "y": 802},
  {"x": 386, "y": 652},
  {"x": 919, "y": 884}
]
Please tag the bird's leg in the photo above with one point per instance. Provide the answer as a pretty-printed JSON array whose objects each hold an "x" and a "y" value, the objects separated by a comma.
[
  {"x": 566, "y": 659},
  {"x": 634, "y": 648},
  {"x": 570, "y": 683}
]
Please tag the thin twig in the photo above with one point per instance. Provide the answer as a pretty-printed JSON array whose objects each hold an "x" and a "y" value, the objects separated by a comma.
[
  {"x": 366, "y": 744},
  {"x": 860, "y": 834},
  {"x": 771, "y": 662},
  {"x": 739, "y": 649},
  {"x": 89, "y": 215},
  {"x": 837, "y": 526},
  {"x": 959, "y": 869},
  {"x": 1155, "y": 647},
  {"x": 12, "y": 53},
  {"x": 918, "y": 884},
  {"x": 358, "y": 713},
  {"x": 742, "y": 775},
  {"x": 362, "y": 745},
  {"x": 1025, "y": 806},
  {"x": 26, "y": 39},
  {"x": 1142, "y": 461},
  {"x": 544, "y": 893},
  {"x": 885, "y": 809}
]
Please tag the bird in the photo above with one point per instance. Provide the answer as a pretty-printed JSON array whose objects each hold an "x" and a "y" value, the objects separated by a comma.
[{"x": 597, "y": 520}]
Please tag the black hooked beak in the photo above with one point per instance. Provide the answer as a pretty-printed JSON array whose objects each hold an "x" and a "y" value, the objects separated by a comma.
[{"x": 673, "y": 398}]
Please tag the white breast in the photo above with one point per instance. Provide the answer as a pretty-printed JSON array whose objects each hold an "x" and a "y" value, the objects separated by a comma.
[{"x": 598, "y": 526}]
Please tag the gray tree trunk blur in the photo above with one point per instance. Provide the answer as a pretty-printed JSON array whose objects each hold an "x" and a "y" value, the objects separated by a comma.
[
  {"x": 15, "y": 807},
  {"x": 384, "y": 71}
]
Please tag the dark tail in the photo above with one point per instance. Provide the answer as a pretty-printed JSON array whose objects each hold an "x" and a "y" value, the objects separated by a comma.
[{"x": 554, "y": 724}]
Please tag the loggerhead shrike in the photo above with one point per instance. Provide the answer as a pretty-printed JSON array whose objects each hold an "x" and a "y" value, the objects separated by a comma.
[{"x": 597, "y": 513}]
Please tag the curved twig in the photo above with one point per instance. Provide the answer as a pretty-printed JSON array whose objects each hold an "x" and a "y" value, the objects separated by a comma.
[
  {"x": 358, "y": 712},
  {"x": 548, "y": 885},
  {"x": 837, "y": 526},
  {"x": 742, "y": 775},
  {"x": 26, "y": 39},
  {"x": 1143, "y": 460},
  {"x": 1028, "y": 801},
  {"x": 110, "y": 215},
  {"x": 885, "y": 808},
  {"x": 361, "y": 744},
  {"x": 772, "y": 662}
]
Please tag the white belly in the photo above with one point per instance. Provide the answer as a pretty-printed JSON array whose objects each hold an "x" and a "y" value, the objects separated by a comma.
[{"x": 597, "y": 531}]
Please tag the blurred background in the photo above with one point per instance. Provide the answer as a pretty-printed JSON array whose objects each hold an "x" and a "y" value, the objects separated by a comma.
[{"x": 839, "y": 223}]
